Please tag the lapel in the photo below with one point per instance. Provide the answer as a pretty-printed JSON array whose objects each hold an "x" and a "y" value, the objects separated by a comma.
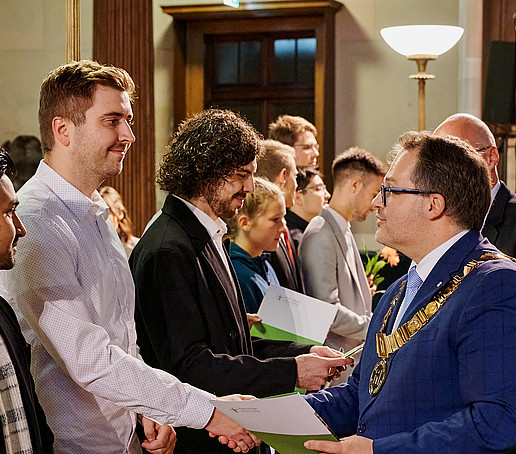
[
  {"x": 470, "y": 246},
  {"x": 212, "y": 266},
  {"x": 360, "y": 280},
  {"x": 495, "y": 214},
  {"x": 452, "y": 262}
]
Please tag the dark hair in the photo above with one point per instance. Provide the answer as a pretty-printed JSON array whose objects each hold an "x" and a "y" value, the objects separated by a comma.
[
  {"x": 450, "y": 166},
  {"x": 354, "y": 162},
  {"x": 68, "y": 92},
  {"x": 25, "y": 151},
  {"x": 286, "y": 129},
  {"x": 6, "y": 164},
  {"x": 207, "y": 148},
  {"x": 305, "y": 175}
]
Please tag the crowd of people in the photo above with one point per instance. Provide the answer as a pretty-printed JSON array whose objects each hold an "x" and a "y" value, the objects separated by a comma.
[{"x": 128, "y": 340}]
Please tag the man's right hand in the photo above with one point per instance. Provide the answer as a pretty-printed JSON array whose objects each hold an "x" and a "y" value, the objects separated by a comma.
[
  {"x": 314, "y": 370},
  {"x": 231, "y": 433}
]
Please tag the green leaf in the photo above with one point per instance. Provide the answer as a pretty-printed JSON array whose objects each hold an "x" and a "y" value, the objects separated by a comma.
[{"x": 378, "y": 266}]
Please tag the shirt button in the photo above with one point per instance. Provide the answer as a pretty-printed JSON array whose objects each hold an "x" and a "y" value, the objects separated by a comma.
[
  {"x": 232, "y": 334},
  {"x": 361, "y": 428}
]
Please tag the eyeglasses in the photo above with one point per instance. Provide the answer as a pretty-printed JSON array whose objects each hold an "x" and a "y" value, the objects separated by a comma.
[
  {"x": 316, "y": 188},
  {"x": 308, "y": 146},
  {"x": 384, "y": 190}
]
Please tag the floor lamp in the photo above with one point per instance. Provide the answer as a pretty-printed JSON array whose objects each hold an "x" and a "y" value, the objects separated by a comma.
[{"x": 422, "y": 43}]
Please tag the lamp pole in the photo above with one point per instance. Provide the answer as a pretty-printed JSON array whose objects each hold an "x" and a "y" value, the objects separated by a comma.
[{"x": 422, "y": 76}]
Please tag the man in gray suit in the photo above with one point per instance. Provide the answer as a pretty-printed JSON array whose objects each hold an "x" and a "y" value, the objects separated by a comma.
[
  {"x": 500, "y": 222},
  {"x": 330, "y": 262}
]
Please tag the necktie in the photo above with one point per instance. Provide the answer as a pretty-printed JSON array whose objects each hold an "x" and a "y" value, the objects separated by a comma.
[
  {"x": 413, "y": 284},
  {"x": 289, "y": 247}
]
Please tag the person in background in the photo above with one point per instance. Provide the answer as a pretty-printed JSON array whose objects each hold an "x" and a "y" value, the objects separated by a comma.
[
  {"x": 279, "y": 167},
  {"x": 299, "y": 134},
  {"x": 256, "y": 228},
  {"x": 330, "y": 261},
  {"x": 500, "y": 222},
  {"x": 311, "y": 195},
  {"x": 119, "y": 218},
  {"x": 24, "y": 426},
  {"x": 25, "y": 151}
]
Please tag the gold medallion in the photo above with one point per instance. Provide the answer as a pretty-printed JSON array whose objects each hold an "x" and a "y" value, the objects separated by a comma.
[{"x": 378, "y": 376}]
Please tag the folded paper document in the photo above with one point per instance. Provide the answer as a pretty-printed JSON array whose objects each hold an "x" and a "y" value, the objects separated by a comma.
[
  {"x": 283, "y": 422},
  {"x": 289, "y": 315}
]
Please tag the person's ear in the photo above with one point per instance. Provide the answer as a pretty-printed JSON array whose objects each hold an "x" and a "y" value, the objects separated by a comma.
[
  {"x": 436, "y": 206},
  {"x": 244, "y": 222},
  {"x": 61, "y": 130},
  {"x": 491, "y": 156},
  {"x": 281, "y": 178},
  {"x": 355, "y": 184},
  {"x": 298, "y": 198}
]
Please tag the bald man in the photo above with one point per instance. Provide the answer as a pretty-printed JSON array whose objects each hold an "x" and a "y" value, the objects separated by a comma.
[{"x": 500, "y": 223}]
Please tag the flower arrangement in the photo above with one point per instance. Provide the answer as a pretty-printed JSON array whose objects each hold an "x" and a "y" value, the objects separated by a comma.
[{"x": 374, "y": 264}]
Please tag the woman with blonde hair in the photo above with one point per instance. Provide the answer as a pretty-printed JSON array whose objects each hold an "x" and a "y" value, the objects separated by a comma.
[
  {"x": 119, "y": 218},
  {"x": 254, "y": 231}
]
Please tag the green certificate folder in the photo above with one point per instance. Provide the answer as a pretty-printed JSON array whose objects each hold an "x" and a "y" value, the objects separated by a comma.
[
  {"x": 284, "y": 422},
  {"x": 288, "y": 315}
]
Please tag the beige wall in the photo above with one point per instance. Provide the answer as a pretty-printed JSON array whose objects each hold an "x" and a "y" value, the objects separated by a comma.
[
  {"x": 32, "y": 42},
  {"x": 375, "y": 100}
]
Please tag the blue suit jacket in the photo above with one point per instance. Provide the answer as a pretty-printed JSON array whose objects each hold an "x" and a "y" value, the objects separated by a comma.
[{"x": 452, "y": 387}]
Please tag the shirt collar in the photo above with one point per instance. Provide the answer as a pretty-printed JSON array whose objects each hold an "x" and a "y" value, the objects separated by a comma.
[
  {"x": 215, "y": 228},
  {"x": 426, "y": 265},
  {"x": 494, "y": 191},
  {"x": 339, "y": 219},
  {"x": 74, "y": 199}
]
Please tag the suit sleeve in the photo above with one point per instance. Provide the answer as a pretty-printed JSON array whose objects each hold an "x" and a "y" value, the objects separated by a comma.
[
  {"x": 318, "y": 256},
  {"x": 338, "y": 405},
  {"x": 183, "y": 331},
  {"x": 484, "y": 343}
]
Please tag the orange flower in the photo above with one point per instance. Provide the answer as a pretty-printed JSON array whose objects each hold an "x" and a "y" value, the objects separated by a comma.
[{"x": 390, "y": 255}]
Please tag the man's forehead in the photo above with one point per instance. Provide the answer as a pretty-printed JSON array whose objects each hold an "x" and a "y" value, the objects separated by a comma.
[
  {"x": 250, "y": 168},
  {"x": 402, "y": 164}
]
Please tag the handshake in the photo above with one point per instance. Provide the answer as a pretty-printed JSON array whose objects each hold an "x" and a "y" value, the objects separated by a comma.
[{"x": 314, "y": 370}]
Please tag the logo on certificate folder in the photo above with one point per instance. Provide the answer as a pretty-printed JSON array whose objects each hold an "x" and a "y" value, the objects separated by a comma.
[{"x": 245, "y": 410}]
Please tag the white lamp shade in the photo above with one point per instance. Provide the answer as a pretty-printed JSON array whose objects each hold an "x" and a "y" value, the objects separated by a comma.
[{"x": 422, "y": 39}]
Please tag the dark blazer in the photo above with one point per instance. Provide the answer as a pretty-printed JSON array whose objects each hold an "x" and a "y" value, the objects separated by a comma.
[
  {"x": 288, "y": 272},
  {"x": 191, "y": 324},
  {"x": 19, "y": 351},
  {"x": 450, "y": 388},
  {"x": 296, "y": 226},
  {"x": 500, "y": 225}
]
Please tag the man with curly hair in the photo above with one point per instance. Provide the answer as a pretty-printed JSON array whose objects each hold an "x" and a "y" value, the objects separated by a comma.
[{"x": 190, "y": 316}]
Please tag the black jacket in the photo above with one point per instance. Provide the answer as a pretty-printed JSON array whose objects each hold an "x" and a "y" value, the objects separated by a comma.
[
  {"x": 19, "y": 351},
  {"x": 191, "y": 324}
]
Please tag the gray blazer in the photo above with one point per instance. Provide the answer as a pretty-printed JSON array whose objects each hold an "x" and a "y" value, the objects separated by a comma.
[{"x": 328, "y": 276}]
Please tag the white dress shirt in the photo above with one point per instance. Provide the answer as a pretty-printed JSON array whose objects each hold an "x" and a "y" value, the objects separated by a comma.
[
  {"x": 425, "y": 267},
  {"x": 73, "y": 285},
  {"x": 216, "y": 229}
]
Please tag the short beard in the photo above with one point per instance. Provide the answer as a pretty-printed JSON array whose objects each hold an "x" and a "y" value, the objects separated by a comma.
[{"x": 221, "y": 208}]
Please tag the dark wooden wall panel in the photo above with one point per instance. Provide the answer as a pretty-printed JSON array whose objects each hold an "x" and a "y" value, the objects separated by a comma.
[{"x": 122, "y": 36}]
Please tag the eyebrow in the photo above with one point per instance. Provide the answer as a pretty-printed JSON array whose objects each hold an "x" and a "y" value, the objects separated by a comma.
[
  {"x": 116, "y": 115},
  {"x": 244, "y": 171},
  {"x": 389, "y": 180}
]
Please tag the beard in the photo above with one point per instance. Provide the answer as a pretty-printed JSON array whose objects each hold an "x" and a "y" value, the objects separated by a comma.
[{"x": 222, "y": 206}]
